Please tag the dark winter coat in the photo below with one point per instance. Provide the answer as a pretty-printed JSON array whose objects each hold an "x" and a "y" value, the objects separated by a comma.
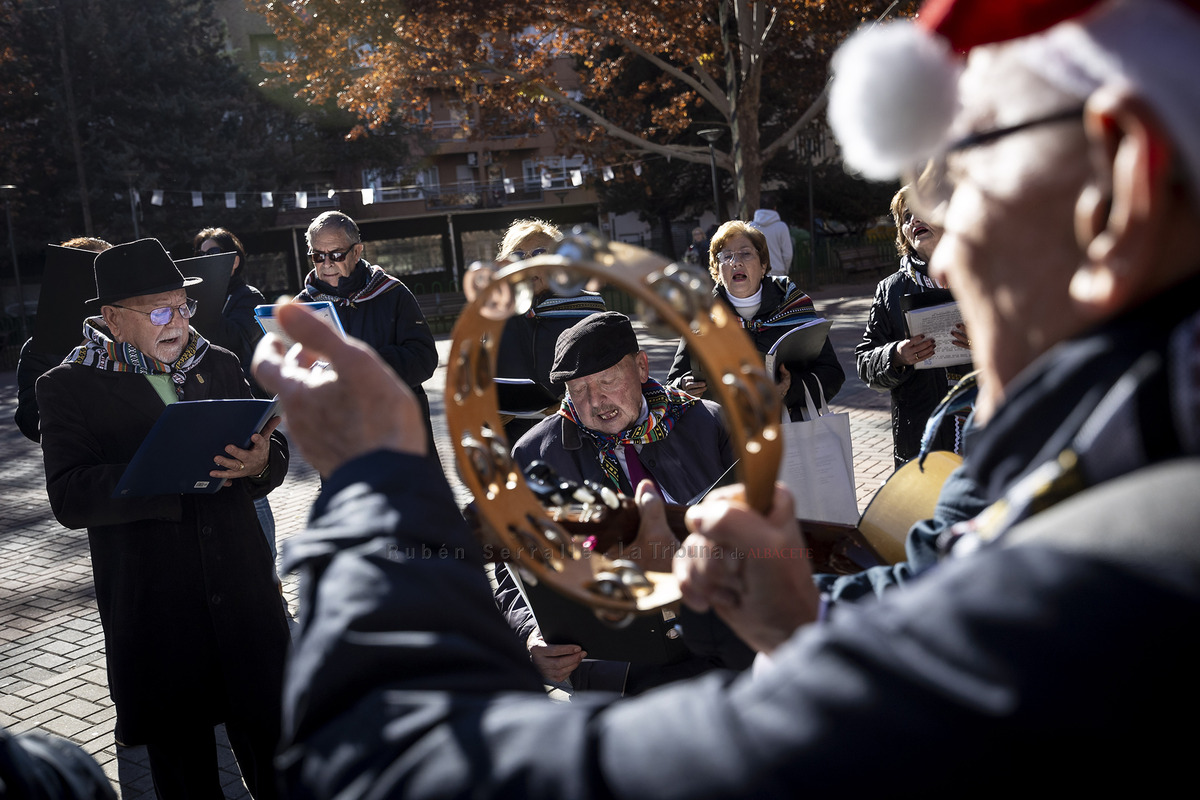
[
  {"x": 393, "y": 324},
  {"x": 193, "y": 624},
  {"x": 915, "y": 392},
  {"x": 826, "y": 371},
  {"x": 237, "y": 330}
]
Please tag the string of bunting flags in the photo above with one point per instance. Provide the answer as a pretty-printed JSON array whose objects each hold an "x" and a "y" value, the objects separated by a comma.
[{"x": 367, "y": 194}]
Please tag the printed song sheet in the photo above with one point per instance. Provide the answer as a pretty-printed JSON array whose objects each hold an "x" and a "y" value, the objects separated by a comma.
[{"x": 937, "y": 322}]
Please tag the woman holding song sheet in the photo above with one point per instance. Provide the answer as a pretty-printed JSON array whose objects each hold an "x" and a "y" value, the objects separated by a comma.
[
  {"x": 887, "y": 356},
  {"x": 770, "y": 307}
]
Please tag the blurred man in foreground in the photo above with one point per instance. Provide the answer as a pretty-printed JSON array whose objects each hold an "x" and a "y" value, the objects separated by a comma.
[{"x": 1046, "y": 649}]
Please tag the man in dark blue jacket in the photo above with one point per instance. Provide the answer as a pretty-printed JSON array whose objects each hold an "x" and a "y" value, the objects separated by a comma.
[
  {"x": 617, "y": 426},
  {"x": 1045, "y": 647},
  {"x": 371, "y": 304}
]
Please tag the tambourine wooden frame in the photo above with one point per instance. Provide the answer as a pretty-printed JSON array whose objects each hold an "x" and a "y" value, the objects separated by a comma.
[{"x": 510, "y": 516}]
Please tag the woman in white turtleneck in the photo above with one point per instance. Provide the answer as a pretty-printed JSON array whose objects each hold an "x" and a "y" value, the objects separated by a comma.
[{"x": 739, "y": 262}]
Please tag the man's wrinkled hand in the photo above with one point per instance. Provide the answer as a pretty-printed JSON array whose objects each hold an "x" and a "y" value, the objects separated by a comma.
[
  {"x": 239, "y": 463},
  {"x": 753, "y": 571},
  {"x": 354, "y": 406}
]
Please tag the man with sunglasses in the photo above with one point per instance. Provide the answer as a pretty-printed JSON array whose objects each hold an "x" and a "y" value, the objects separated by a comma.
[
  {"x": 1049, "y": 650},
  {"x": 185, "y": 584},
  {"x": 371, "y": 304}
]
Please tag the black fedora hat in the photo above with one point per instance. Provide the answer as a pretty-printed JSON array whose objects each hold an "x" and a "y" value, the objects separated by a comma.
[{"x": 136, "y": 268}]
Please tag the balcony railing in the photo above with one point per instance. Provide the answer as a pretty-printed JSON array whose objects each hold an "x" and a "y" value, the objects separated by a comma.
[{"x": 473, "y": 194}]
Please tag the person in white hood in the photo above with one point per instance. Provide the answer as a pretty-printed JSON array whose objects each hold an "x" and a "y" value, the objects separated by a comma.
[{"x": 779, "y": 240}]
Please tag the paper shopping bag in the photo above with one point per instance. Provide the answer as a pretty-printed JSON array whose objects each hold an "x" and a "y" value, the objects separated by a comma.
[{"x": 818, "y": 464}]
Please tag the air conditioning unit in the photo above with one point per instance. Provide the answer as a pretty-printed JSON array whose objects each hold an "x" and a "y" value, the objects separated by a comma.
[{"x": 472, "y": 159}]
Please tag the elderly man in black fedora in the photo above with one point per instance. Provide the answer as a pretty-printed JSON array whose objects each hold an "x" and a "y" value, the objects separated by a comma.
[{"x": 194, "y": 631}]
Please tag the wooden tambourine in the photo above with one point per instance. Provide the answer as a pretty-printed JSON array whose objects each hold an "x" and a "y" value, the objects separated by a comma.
[{"x": 515, "y": 526}]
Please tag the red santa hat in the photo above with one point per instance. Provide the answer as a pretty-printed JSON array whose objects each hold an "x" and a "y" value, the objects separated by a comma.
[
  {"x": 967, "y": 23},
  {"x": 895, "y": 88}
]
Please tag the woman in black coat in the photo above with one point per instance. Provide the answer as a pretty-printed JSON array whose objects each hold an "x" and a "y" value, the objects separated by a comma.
[
  {"x": 238, "y": 332},
  {"x": 527, "y": 344},
  {"x": 769, "y": 307},
  {"x": 886, "y": 355}
]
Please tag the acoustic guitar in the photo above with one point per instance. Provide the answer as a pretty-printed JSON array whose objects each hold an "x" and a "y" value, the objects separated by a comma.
[{"x": 606, "y": 519}]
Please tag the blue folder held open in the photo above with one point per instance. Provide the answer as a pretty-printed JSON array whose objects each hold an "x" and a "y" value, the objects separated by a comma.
[{"x": 177, "y": 454}]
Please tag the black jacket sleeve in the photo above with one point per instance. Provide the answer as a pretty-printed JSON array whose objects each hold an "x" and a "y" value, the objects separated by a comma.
[
  {"x": 412, "y": 353},
  {"x": 512, "y": 604},
  {"x": 30, "y": 366},
  {"x": 875, "y": 354},
  {"x": 405, "y": 679},
  {"x": 681, "y": 366}
]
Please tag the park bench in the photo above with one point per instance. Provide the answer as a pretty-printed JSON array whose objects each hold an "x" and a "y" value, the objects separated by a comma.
[
  {"x": 441, "y": 309},
  {"x": 863, "y": 259}
]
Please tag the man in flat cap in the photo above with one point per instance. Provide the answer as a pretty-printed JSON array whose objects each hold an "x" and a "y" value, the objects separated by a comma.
[
  {"x": 194, "y": 630},
  {"x": 618, "y": 427},
  {"x": 1049, "y": 648}
]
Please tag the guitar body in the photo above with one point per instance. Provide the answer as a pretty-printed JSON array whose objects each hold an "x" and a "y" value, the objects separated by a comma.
[{"x": 906, "y": 498}]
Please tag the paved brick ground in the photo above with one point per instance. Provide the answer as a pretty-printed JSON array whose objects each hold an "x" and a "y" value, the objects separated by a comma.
[{"x": 52, "y": 673}]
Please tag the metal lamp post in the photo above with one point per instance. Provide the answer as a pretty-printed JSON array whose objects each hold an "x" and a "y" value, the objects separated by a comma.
[
  {"x": 8, "y": 192},
  {"x": 711, "y": 135},
  {"x": 814, "y": 146},
  {"x": 130, "y": 175}
]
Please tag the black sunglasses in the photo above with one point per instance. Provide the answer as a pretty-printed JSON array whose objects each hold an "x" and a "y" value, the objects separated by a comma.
[
  {"x": 318, "y": 256},
  {"x": 212, "y": 251}
]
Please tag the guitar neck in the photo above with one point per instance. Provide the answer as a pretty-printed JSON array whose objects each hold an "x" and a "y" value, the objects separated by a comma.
[{"x": 836, "y": 548}]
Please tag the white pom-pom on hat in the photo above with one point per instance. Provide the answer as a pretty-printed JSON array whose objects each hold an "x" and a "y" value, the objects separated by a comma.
[{"x": 893, "y": 97}]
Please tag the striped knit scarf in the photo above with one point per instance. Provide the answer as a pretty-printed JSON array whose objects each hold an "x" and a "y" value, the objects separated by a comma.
[
  {"x": 918, "y": 272},
  {"x": 377, "y": 283},
  {"x": 580, "y": 305},
  {"x": 99, "y": 350},
  {"x": 666, "y": 405},
  {"x": 796, "y": 307}
]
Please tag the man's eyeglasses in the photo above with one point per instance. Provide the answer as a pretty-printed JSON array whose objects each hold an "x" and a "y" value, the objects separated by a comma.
[
  {"x": 161, "y": 316},
  {"x": 932, "y": 186},
  {"x": 521, "y": 255},
  {"x": 727, "y": 257},
  {"x": 318, "y": 256}
]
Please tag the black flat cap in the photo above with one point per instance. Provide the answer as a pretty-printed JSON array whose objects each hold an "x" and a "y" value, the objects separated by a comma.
[{"x": 592, "y": 345}]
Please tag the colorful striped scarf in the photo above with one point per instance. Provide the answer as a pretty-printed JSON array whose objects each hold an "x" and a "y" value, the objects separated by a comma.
[
  {"x": 101, "y": 351},
  {"x": 377, "y": 283},
  {"x": 796, "y": 307},
  {"x": 666, "y": 406}
]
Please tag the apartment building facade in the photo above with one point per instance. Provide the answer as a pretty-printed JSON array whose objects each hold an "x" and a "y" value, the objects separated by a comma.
[{"x": 424, "y": 221}]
